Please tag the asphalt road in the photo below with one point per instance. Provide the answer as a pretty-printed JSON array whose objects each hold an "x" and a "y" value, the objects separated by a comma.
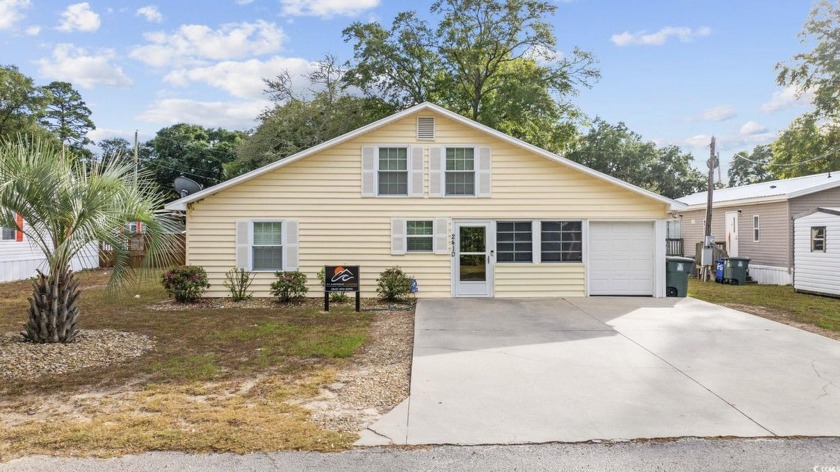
[{"x": 753, "y": 455}]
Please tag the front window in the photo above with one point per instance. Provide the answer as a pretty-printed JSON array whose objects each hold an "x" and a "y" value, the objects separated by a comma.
[
  {"x": 562, "y": 241},
  {"x": 393, "y": 171},
  {"x": 818, "y": 239},
  {"x": 7, "y": 234},
  {"x": 514, "y": 241},
  {"x": 267, "y": 248},
  {"x": 460, "y": 171},
  {"x": 756, "y": 228},
  {"x": 419, "y": 236}
]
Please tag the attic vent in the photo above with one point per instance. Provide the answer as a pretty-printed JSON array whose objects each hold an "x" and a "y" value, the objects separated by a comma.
[{"x": 426, "y": 128}]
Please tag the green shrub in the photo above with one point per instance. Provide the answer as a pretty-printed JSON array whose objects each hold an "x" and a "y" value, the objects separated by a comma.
[
  {"x": 185, "y": 283},
  {"x": 289, "y": 286},
  {"x": 337, "y": 297},
  {"x": 238, "y": 281},
  {"x": 393, "y": 284}
]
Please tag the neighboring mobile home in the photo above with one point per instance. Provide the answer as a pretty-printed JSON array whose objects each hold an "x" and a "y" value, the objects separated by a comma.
[
  {"x": 463, "y": 208},
  {"x": 756, "y": 221},
  {"x": 817, "y": 252},
  {"x": 19, "y": 259}
]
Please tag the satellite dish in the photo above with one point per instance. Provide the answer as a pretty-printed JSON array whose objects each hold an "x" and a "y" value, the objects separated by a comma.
[{"x": 185, "y": 186}]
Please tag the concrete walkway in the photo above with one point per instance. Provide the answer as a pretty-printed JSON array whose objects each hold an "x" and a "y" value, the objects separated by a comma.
[{"x": 517, "y": 371}]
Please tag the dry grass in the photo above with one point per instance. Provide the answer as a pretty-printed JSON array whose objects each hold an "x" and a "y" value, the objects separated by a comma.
[
  {"x": 227, "y": 379},
  {"x": 780, "y": 303}
]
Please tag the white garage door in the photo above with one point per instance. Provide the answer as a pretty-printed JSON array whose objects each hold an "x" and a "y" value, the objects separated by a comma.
[{"x": 621, "y": 258}]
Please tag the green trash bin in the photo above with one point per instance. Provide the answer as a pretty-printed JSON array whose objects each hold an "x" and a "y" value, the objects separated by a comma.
[
  {"x": 735, "y": 270},
  {"x": 676, "y": 275}
]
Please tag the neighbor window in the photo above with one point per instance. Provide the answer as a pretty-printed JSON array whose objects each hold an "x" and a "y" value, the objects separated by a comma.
[
  {"x": 460, "y": 171},
  {"x": 267, "y": 248},
  {"x": 514, "y": 241},
  {"x": 756, "y": 227},
  {"x": 419, "y": 236},
  {"x": 817, "y": 238},
  {"x": 393, "y": 171},
  {"x": 561, "y": 241},
  {"x": 8, "y": 234}
]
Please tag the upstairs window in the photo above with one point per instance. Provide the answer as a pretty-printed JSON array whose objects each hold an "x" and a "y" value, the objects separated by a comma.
[
  {"x": 562, "y": 241},
  {"x": 393, "y": 171},
  {"x": 514, "y": 241},
  {"x": 818, "y": 239},
  {"x": 460, "y": 171}
]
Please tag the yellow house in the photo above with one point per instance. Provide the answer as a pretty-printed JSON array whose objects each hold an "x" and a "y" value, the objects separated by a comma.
[{"x": 464, "y": 209}]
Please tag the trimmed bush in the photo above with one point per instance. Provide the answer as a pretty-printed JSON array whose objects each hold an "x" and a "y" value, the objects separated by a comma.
[
  {"x": 337, "y": 297},
  {"x": 393, "y": 284},
  {"x": 289, "y": 286},
  {"x": 185, "y": 284},
  {"x": 237, "y": 280}
]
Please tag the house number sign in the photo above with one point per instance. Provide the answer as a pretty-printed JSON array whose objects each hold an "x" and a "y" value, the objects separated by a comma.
[{"x": 453, "y": 244}]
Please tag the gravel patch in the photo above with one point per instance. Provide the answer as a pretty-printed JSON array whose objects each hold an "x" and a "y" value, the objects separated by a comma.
[
  {"x": 377, "y": 380},
  {"x": 93, "y": 348}
]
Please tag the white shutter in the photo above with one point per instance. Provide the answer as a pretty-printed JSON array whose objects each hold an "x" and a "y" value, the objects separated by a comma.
[
  {"x": 415, "y": 172},
  {"x": 437, "y": 168},
  {"x": 243, "y": 245},
  {"x": 441, "y": 236},
  {"x": 536, "y": 242},
  {"x": 368, "y": 171},
  {"x": 290, "y": 245},
  {"x": 485, "y": 164},
  {"x": 397, "y": 236}
]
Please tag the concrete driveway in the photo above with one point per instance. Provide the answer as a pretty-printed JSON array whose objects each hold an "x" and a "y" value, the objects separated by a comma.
[{"x": 529, "y": 371}]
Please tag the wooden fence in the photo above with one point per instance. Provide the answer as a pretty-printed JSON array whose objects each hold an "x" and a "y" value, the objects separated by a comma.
[{"x": 138, "y": 246}]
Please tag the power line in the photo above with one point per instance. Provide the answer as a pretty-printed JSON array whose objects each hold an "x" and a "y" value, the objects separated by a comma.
[{"x": 771, "y": 164}]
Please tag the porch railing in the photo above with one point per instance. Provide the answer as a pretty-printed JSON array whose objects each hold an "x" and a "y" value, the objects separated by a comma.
[{"x": 674, "y": 247}]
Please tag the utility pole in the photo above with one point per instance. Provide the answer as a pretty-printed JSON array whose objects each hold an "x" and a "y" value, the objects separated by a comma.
[
  {"x": 136, "y": 156},
  {"x": 708, "y": 243}
]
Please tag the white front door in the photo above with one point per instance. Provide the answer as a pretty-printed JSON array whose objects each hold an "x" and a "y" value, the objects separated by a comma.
[
  {"x": 473, "y": 264},
  {"x": 732, "y": 233}
]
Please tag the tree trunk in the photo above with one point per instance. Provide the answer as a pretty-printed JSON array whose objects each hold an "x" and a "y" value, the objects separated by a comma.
[{"x": 53, "y": 308}]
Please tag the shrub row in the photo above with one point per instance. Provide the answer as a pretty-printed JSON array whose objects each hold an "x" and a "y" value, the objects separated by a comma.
[{"x": 186, "y": 284}]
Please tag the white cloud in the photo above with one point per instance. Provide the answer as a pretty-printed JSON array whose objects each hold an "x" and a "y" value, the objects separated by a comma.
[
  {"x": 150, "y": 13},
  {"x": 75, "y": 65},
  {"x": 643, "y": 38},
  {"x": 11, "y": 12},
  {"x": 79, "y": 17},
  {"x": 753, "y": 128},
  {"x": 327, "y": 8},
  {"x": 231, "y": 115},
  {"x": 241, "y": 79},
  {"x": 718, "y": 113},
  {"x": 191, "y": 44},
  {"x": 786, "y": 99},
  {"x": 33, "y": 30}
]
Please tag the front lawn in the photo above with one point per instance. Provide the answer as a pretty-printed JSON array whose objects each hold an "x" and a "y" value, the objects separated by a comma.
[
  {"x": 781, "y": 303},
  {"x": 221, "y": 377}
]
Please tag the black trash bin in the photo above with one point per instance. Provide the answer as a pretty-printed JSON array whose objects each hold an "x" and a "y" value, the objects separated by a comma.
[{"x": 676, "y": 275}]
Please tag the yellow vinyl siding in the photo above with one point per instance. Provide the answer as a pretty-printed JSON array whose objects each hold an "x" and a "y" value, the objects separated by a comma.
[
  {"x": 338, "y": 225},
  {"x": 539, "y": 280}
]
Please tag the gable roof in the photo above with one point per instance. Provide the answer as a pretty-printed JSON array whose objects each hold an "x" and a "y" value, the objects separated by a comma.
[
  {"x": 765, "y": 192},
  {"x": 181, "y": 204}
]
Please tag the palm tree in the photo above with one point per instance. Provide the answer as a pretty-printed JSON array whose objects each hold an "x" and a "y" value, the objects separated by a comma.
[{"x": 68, "y": 207}]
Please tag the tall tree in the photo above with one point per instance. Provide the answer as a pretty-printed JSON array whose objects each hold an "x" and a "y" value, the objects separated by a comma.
[
  {"x": 191, "y": 150},
  {"x": 110, "y": 148},
  {"x": 66, "y": 207},
  {"x": 621, "y": 153},
  {"x": 808, "y": 146},
  {"x": 21, "y": 104},
  {"x": 67, "y": 115},
  {"x": 483, "y": 60},
  {"x": 751, "y": 167},
  {"x": 300, "y": 120}
]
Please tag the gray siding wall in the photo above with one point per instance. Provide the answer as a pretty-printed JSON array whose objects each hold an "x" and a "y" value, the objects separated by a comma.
[
  {"x": 803, "y": 205},
  {"x": 773, "y": 247}
]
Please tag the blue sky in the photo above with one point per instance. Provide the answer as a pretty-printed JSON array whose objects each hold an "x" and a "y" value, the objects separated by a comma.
[{"x": 675, "y": 71}]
